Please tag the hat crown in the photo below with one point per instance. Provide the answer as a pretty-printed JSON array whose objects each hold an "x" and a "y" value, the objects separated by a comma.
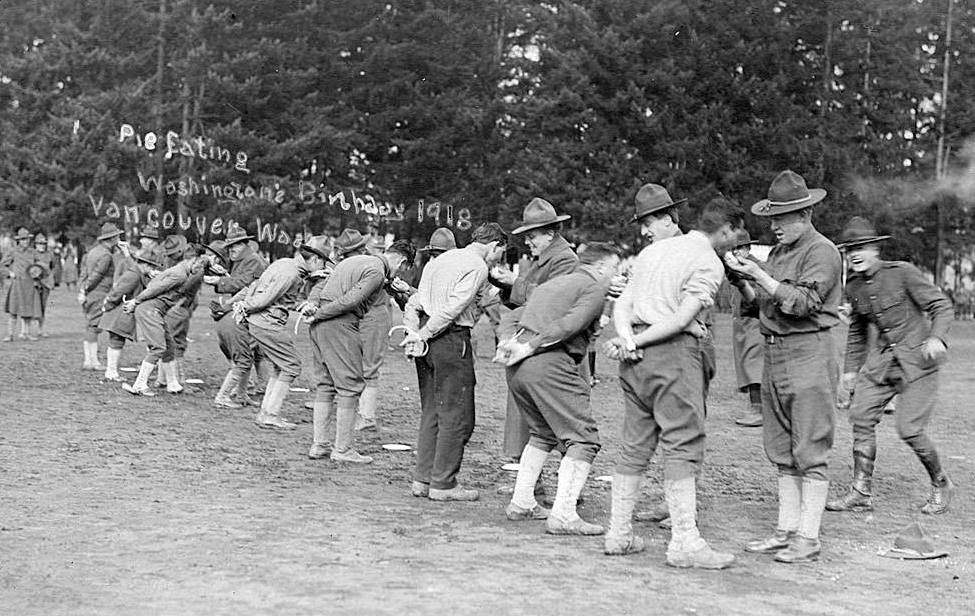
[
  {"x": 742, "y": 237},
  {"x": 236, "y": 232},
  {"x": 913, "y": 537},
  {"x": 348, "y": 238},
  {"x": 538, "y": 211},
  {"x": 653, "y": 196},
  {"x": 787, "y": 187},
  {"x": 40, "y": 237},
  {"x": 318, "y": 242},
  {"x": 859, "y": 228},
  {"x": 442, "y": 239}
]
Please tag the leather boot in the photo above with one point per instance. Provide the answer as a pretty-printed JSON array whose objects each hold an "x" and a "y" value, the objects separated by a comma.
[
  {"x": 523, "y": 505},
  {"x": 805, "y": 546},
  {"x": 230, "y": 383},
  {"x": 790, "y": 514},
  {"x": 620, "y": 539},
  {"x": 239, "y": 394},
  {"x": 368, "y": 402},
  {"x": 322, "y": 412},
  {"x": 940, "y": 498},
  {"x": 344, "y": 419},
  {"x": 564, "y": 519},
  {"x": 858, "y": 496},
  {"x": 687, "y": 548},
  {"x": 941, "y": 486}
]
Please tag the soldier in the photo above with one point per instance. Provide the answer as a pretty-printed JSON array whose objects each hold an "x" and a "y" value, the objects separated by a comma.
[
  {"x": 236, "y": 343},
  {"x": 337, "y": 341},
  {"x": 798, "y": 293},
  {"x": 544, "y": 342},
  {"x": 551, "y": 256},
  {"x": 747, "y": 345},
  {"x": 132, "y": 280},
  {"x": 265, "y": 305},
  {"x": 97, "y": 276},
  {"x": 152, "y": 305},
  {"x": 660, "y": 333},
  {"x": 912, "y": 317},
  {"x": 439, "y": 316}
]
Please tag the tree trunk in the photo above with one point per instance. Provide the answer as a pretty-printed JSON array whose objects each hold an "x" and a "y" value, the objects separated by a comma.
[
  {"x": 941, "y": 155},
  {"x": 160, "y": 91}
]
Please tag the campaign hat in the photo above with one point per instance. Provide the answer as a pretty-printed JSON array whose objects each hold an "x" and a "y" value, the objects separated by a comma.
[
  {"x": 23, "y": 234},
  {"x": 537, "y": 214},
  {"x": 318, "y": 244},
  {"x": 149, "y": 232},
  {"x": 788, "y": 193},
  {"x": 108, "y": 231},
  {"x": 236, "y": 235},
  {"x": 652, "y": 198},
  {"x": 219, "y": 248},
  {"x": 913, "y": 543},
  {"x": 350, "y": 240},
  {"x": 174, "y": 245},
  {"x": 743, "y": 238},
  {"x": 149, "y": 258},
  {"x": 441, "y": 240},
  {"x": 859, "y": 231}
]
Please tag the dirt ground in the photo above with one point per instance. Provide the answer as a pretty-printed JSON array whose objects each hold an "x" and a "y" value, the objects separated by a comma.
[{"x": 111, "y": 504}]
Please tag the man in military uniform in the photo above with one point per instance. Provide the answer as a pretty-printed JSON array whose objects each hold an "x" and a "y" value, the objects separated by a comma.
[
  {"x": 912, "y": 317},
  {"x": 798, "y": 294},
  {"x": 97, "y": 276},
  {"x": 236, "y": 343}
]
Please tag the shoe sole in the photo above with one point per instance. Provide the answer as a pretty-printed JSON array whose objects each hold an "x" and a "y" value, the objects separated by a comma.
[
  {"x": 771, "y": 550},
  {"x": 574, "y": 532},
  {"x": 273, "y": 426},
  {"x": 850, "y": 509},
  {"x": 692, "y": 565},
  {"x": 795, "y": 561}
]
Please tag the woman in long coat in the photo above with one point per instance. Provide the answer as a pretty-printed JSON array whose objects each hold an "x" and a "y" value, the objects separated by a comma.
[
  {"x": 19, "y": 299},
  {"x": 70, "y": 255}
]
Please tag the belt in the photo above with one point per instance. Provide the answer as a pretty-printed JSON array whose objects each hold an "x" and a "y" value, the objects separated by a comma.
[{"x": 781, "y": 338}]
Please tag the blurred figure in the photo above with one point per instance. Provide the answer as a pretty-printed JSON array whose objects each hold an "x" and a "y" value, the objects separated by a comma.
[
  {"x": 747, "y": 344},
  {"x": 19, "y": 299}
]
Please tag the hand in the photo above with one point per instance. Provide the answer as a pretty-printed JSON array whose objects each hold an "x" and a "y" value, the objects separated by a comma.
[
  {"x": 616, "y": 285},
  {"x": 217, "y": 268},
  {"x": 604, "y": 320},
  {"x": 306, "y": 308},
  {"x": 743, "y": 267},
  {"x": 848, "y": 381},
  {"x": 240, "y": 312},
  {"x": 81, "y": 298},
  {"x": 211, "y": 279},
  {"x": 934, "y": 349},
  {"x": 414, "y": 345},
  {"x": 517, "y": 351},
  {"x": 129, "y": 306},
  {"x": 321, "y": 273},
  {"x": 502, "y": 351},
  {"x": 399, "y": 285},
  {"x": 503, "y": 275}
]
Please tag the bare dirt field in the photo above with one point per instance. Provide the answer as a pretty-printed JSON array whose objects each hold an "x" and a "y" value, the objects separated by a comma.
[{"x": 111, "y": 504}]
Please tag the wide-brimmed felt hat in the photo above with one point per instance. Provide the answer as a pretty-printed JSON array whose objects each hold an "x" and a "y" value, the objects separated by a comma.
[
  {"x": 23, "y": 234},
  {"x": 652, "y": 198},
  {"x": 376, "y": 244},
  {"x": 537, "y": 214},
  {"x": 174, "y": 245},
  {"x": 441, "y": 240},
  {"x": 219, "y": 248},
  {"x": 859, "y": 231},
  {"x": 318, "y": 244},
  {"x": 149, "y": 232},
  {"x": 235, "y": 236},
  {"x": 350, "y": 240},
  {"x": 148, "y": 257},
  {"x": 913, "y": 543},
  {"x": 743, "y": 238},
  {"x": 108, "y": 231},
  {"x": 788, "y": 193}
]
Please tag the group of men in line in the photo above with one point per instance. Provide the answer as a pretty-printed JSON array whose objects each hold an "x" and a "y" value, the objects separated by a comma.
[{"x": 559, "y": 303}]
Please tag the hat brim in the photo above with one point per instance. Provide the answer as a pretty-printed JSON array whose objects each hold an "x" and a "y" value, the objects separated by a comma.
[
  {"x": 642, "y": 215},
  {"x": 316, "y": 251},
  {"x": 766, "y": 208},
  {"x": 147, "y": 261},
  {"x": 347, "y": 249},
  {"x": 115, "y": 233},
  {"x": 221, "y": 255},
  {"x": 429, "y": 248},
  {"x": 748, "y": 243},
  {"x": 908, "y": 554},
  {"x": 230, "y": 242},
  {"x": 528, "y": 226},
  {"x": 862, "y": 241}
]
